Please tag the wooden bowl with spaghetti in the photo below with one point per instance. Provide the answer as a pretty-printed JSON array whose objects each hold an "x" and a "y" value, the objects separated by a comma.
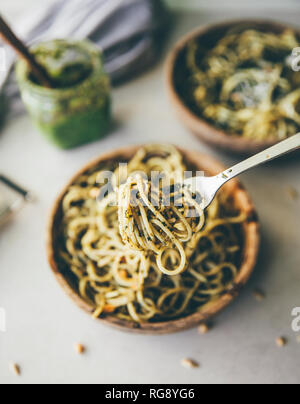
[
  {"x": 234, "y": 85},
  {"x": 125, "y": 288}
]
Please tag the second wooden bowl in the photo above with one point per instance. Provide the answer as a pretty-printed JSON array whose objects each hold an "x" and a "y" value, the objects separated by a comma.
[
  {"x": 250, "y": 237},
  {"x": 208, "y": 36}
]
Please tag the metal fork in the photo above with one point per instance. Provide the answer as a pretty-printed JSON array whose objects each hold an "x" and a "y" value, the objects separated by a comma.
[
  {"x": 8, "y": 208},
  {"x": 208, "y": 187}
]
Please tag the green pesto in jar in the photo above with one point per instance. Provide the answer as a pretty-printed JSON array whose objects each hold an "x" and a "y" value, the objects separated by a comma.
[{"x": 78, "y": 109}]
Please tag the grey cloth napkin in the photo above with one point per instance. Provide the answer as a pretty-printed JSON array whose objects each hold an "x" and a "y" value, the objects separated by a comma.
[{"x": 127, "y": 31}]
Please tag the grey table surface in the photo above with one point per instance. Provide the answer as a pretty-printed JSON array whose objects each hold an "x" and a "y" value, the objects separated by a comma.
[{"x": 43, "y": 324}]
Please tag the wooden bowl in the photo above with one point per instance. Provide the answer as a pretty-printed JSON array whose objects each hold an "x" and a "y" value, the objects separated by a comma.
[
  {"x": 249, "y": 257},
  {"x": 209, "y": 35}
]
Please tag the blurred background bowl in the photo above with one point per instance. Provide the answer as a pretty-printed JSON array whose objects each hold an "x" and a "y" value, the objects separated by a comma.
[
  {"x": 209, "y": 36},
  {"x": 250, "y": 240}
]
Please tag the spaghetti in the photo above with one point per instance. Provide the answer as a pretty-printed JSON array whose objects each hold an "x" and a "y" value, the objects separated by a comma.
[
  {"x": 245, "y": 84},
  {"x": 127, "y": 281},
  {"x": 157, "y": 221}
]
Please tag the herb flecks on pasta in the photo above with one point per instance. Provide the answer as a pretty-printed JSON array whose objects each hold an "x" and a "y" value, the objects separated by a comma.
[
  {"x": 159, "y": 219},
  {"x": 245, "y": 84},
  {"x": 119, "y": 281}
]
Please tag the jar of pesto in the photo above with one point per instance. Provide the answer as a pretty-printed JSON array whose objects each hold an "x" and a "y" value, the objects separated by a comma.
[{"x": 77, "y": 109}]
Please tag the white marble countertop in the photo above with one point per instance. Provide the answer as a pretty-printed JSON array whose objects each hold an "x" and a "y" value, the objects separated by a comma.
[{"x": 43, "y": 324}]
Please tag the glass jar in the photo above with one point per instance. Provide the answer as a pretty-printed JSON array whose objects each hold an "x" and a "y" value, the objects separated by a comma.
[{"x": 75, "y": 114}]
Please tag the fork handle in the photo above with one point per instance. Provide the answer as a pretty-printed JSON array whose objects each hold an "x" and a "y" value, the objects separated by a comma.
[{"x": 289, "y": 145}]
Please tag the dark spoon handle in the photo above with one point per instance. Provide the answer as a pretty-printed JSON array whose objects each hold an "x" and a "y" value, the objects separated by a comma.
[{"x": 8, "y": 36}]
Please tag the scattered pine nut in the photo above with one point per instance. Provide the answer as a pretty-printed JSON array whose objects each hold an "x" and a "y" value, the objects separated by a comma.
[
  {"x": 203, "y": 329},
  {"x": 281, "y": 342},
  {"x": 293, "y": 193},
  {"x": 80, "y": 349},
  {"x": 298, "y": 339},
  {"x": 189, "y": 364},
  {"x": 15, "y": 368},
  {"x": 259, "y": 295}
]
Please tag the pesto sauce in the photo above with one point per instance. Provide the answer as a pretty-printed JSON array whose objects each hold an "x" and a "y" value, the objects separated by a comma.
[
  {"x": 78, "y": 109},
  {"x": 66, "y": 64}
]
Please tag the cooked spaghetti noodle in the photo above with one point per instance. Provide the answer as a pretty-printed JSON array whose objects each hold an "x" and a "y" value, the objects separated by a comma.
[
  {"x": 244, "y": 84},
  {"x": 162, "y": 222},
  {"x": 118, "y": 280}
]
